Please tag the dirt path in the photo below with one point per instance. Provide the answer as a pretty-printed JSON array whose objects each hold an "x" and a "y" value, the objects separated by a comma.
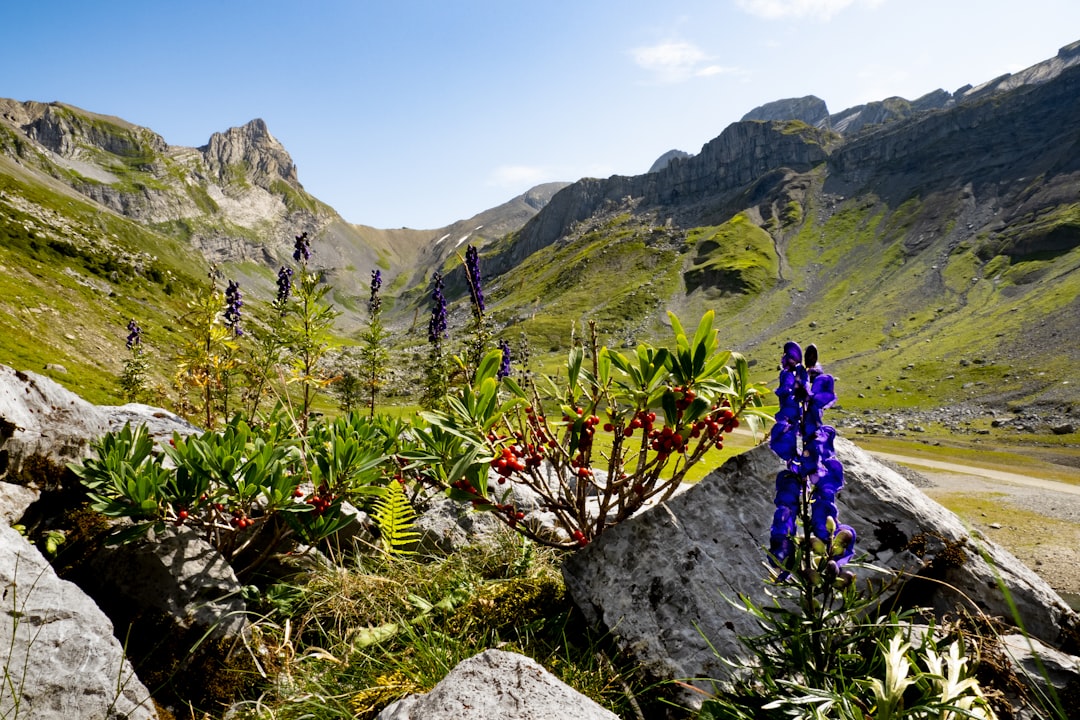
[{"x": 982, "y": 474}]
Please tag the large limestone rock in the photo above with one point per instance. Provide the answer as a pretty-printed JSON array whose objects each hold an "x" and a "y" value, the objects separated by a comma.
[
  {"x": 498, "y": 684},
  {"x": 177, "y": 575},
  {"x": 60, "y": 657},
  {"x": 660, "y": 582},
  {"x": 44, "y": 426}
]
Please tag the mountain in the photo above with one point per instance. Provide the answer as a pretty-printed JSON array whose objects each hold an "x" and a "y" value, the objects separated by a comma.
[
  {"x": 931, "y": 248},
  {"x": 664, "y": 160}
]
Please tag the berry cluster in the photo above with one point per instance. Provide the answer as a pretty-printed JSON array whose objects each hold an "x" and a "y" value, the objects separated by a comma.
[
  {"x": 320, "y": 502},
  {"x": 467, "y": 487},
  {"x": 643, "y": 419},
  {"x": 240, "y": 520},
  {"x": 667, "y": 442},
  {"x": 513, "y": 515},
  {"x": 516, "y": 458}
]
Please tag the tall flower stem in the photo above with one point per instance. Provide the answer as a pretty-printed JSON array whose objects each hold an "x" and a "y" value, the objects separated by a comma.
[
  {"x": 479, "y": 307},
  {"x": 312, "y": 318},
  {"x": 373, "y": 353}
]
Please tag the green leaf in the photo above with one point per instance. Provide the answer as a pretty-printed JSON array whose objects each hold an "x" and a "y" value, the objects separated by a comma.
[
  {"x": 488, "y": 368},
  {"x": 603, "y": 365},
  {"x": 704, "y": 336},
  {"x": 671, "y": 412},
  {"x": 573, "y": 368},
  {"x": 676, "y": 325},
  {"x": 514, "y": 388}
]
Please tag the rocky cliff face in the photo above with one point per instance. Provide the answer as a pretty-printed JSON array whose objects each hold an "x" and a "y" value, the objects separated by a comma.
[
  {"x": 743, "y": 154},
  {"x": 810, "y": 110},
  {"x": 252, "y": 151},
  {"x": 999, "y": 134}
]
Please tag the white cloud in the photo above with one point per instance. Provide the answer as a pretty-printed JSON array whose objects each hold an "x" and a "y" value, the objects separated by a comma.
[
  {"x": 676, "y": 61},
  {"x": 785, "y": 9}
]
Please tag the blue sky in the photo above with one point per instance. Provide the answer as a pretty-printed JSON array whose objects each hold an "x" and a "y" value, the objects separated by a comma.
[{"x": 421, "y": 112}]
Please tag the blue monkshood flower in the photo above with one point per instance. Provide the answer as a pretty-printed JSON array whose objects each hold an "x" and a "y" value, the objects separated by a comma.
[
  {"x": 792, "y": 357},
  {"x": 375, "y": 302},
  {"x": 134, "y": 338},
  {"x": 234, "y": 300},
  {"x": 805, "y": 443},
  {"x": 284, "y": 286},
  {"x": 788, "y": 495},
  {"x": 437, "y": 323},
  {"x": 472, "y": 267},
  {"x": 302, "y": 248},
  {"x": 504, "y": 368}
]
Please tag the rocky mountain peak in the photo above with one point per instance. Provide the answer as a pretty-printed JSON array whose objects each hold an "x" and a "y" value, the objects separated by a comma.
[
  {"x": 664, "y": 160},
  {"x": 249, "y": 151},
  {"x": 809, "y": 109}
]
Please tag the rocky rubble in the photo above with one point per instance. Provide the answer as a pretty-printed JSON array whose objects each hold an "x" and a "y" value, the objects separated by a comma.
[{"x": 960, "y": 420}]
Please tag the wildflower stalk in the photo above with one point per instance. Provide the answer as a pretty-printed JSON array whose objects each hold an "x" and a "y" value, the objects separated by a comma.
[
  {"x": 435, "y": 383},
  {"x": 480, "y": 332},
  {"x": 806, "y": 538},
  {"x": 133, "y": 378},
  {"x": 206, "y": 353},
  {"x": 373, "y": 354},
  {"x": 312, "y": 318}
]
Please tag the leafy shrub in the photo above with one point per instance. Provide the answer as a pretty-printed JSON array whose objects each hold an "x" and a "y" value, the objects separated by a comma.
[{"x": 663, "y": 411}]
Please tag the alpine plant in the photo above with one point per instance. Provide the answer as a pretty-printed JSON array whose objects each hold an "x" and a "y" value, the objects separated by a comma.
[{"x": 806, "y": 489}]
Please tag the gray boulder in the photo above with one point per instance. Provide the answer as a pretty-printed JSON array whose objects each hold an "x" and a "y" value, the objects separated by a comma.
[
  {"x": 1045, "y": 671},
  {"x": 60, "y": 655},
  {"x": 498, "y": 684},
  {"x": 447, "y": 525},
  {"x": 661, "y": 582},
  {"x": 175, "y": 575},
  {"x": 44, "y": 426}
]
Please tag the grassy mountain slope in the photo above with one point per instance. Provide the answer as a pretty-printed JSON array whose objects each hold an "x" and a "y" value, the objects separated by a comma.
[
  {"x": 946, "y": 322},
  {"x": 74, "y": 274}
]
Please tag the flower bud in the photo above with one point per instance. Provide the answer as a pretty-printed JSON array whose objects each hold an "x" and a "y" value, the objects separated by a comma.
[
  {"x": 841, "y": 542},
  {"x": 844, "y": 579}
]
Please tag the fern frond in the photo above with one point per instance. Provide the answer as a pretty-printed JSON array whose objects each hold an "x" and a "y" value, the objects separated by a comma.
[{"x": 395, "y": 518}]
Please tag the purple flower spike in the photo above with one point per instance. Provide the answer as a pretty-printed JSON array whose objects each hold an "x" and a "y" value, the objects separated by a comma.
[
  {"x": 284, "y": 286},
  {"x": 375, "y": 302},
  {"x": 437, "y": 323},
  {"x": 302, "y": 248},
  {"x": 134, "y": 338},
  {"x": 472, "y": 267},
  {"x": 234, "y": 300},
  {"x": 805, "y": 443},
  {"x": 504, "y": 368}
]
